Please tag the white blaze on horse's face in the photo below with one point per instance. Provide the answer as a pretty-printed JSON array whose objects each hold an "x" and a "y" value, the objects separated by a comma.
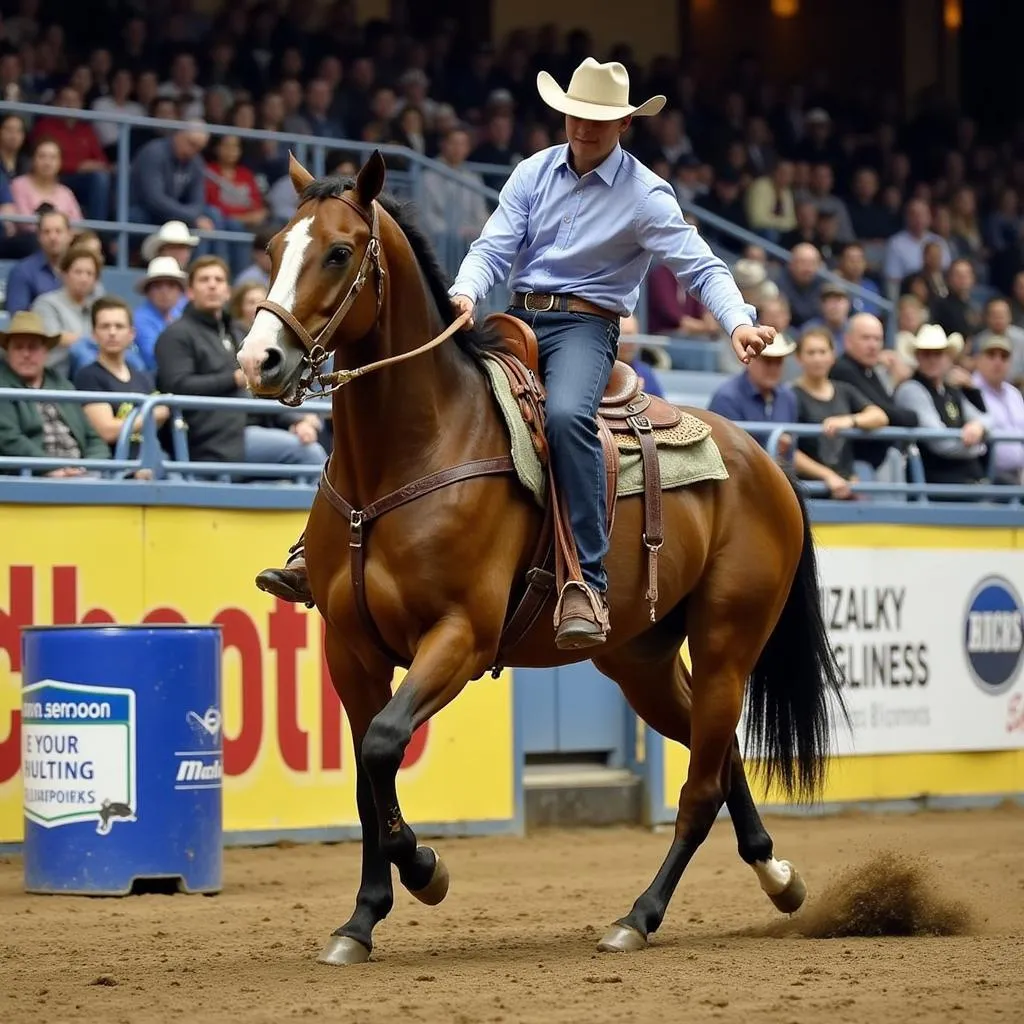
[{"x": 267, "y": 330}]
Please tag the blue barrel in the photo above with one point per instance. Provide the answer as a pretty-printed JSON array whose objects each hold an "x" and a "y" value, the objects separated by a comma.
[{"x": 122, "y": 758}]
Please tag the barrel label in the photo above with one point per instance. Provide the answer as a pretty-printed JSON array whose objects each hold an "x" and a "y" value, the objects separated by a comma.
[{"x": 78, "y": 754}]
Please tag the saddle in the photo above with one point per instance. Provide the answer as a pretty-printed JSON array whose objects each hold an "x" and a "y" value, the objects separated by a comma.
[{"x": 625, "y": 409}]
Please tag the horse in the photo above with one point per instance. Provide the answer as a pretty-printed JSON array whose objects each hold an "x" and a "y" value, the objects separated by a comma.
[{"x": 353, "y": 278}]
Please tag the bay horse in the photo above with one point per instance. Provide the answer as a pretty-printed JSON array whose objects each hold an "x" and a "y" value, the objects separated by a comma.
[{"x": 353, "y": 276}]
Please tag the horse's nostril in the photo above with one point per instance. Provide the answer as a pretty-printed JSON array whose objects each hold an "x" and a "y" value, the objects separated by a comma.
[{"x": 272, "y": 362}]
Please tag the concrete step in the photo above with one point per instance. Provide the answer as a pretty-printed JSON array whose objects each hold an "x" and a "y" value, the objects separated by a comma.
[{"x": 566, "y": 795}]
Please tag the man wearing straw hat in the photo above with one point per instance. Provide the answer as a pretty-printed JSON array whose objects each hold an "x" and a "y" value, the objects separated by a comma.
[
  {"x": 33, "y": 429},
  {"x": 575, "y": 231}
]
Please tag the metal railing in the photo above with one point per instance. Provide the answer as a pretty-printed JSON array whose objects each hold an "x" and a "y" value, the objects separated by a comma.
[{"x": 180, "y": 470}]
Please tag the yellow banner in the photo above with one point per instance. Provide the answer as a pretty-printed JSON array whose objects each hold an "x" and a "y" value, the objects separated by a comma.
[{"x": 288, "y": 761}]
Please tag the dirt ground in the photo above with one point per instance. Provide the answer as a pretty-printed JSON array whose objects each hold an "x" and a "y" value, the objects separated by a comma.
[{"x": 515, "y": 940}]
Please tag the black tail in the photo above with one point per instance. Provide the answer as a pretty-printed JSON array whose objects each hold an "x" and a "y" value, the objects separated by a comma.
[{"x": 788, "y": 726}]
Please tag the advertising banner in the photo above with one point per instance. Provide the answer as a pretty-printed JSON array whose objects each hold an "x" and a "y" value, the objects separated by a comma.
[
  {"x": 926, "y": 624},
  {"x": 288, "y": 761}
]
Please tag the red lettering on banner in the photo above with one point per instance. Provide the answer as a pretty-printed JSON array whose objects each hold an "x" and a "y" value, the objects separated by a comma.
[
  {"x": 12, "y": 621},
  {"x": 288, "y": 637},
  {"x": 164, "y": 617},
  {"x": 239, "y": 631},
  {"x": 1015, "y": 714},
  {"x": 330, "y": 713},
  {"x": 65, "y": 600}
]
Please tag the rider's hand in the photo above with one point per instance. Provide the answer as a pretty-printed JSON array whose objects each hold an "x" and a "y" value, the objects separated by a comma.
[
  {"x": 463, "y": 304},
  {"x": 748, "y": 342}
]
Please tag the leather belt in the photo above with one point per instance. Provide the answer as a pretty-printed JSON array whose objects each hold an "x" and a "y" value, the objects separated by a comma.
[{"x": 537, "y": 302}]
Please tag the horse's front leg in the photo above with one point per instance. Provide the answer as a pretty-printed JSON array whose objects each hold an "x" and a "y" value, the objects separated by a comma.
[
  {"x": 447, "y": 657},
  {"x": 362, "y": 695}
]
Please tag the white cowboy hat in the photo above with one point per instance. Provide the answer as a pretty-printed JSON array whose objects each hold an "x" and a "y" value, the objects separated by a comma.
[
  {"x": 161, "y": 268},
  {"x": 780, "y": 347},
  {"x": 931, "y": 338},
  {"x": 597, "y": 92},
  {"x": 174, "y": 232}
]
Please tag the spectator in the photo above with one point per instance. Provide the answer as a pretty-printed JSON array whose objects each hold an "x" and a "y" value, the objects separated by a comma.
[
  {"x": 904, "y": 252},
  {"x": 453, "y": 210},
  {"x": 799, "y": 284},
  {"x": 997, "y": 322},
  {"x": 182, "y": 87},
  {"x": 32, "y": 429},
  {"x": 957, "y": 312},
  {"x": 875, "y": 373},
  {"x": 14, "y": 244},
  {"x": 118, "y": 100},
  {"x": 852, "y": 267},
  {"x": 871, "y": 222},
  {"x": 168, "y": 181},
  {"x": 66, "y": 311},
  {"x": 39, "y": 273},
  {"x": 1004, "y": 404},
  {"x": 232, "y": 191},
  {"x": 83, "y": 164},
  {"x": 1017, "y": 302},
  {"x": 835, "y": 314},
  {"x": 196, "y": 356},
  {"x": 837, "y": 406},
  {"x": 968, "y": 242},
  {"x": 769, "y": 202},
  {"x": 242, "y": 308},
  {"x": 164, "y": 291},
  {"x": 930, "y": 280},
  {"x": 672, "y": 310},
  {"x": 112, "y": 371},
  {"x": 757, "y": 394},
  {"x": 258, "y": 272},
  {"x": 819, "y": 192},
  {"x": 726, "y": 201},
  {"x": 13, "y": 158},
  {"x": 497, "y": 147},
  {"x": 173, "y": 239},
  {"x": 317, "y": 111},
  {"x": 938, "y": 404},
  {"x": 42, "y": 185},
  {"x": 911, "y": 314},
  {"x": 806, "y": 229},
  {"x": 629, "y": 353}
]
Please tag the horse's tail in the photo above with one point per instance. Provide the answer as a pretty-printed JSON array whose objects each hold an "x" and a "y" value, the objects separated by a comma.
[{"x": 788, "y": 726}]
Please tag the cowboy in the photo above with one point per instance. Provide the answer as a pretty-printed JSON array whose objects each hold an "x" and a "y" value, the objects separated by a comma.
[
  {"x": 41, "y": 429},
  {"x": 575, "y": 231}
]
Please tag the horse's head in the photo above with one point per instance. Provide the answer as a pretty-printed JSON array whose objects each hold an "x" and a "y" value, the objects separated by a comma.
[{"x": 320, "y": 262}]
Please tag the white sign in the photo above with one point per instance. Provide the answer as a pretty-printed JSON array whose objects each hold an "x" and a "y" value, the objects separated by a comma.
[
  {"x": 931, "y": 646},
  {"x": 78, "y": 754}
]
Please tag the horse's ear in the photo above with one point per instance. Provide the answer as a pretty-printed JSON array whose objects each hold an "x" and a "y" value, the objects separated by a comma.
[
  {"x": 301, "y": 178},
  {"x": 370, "y": 179}
]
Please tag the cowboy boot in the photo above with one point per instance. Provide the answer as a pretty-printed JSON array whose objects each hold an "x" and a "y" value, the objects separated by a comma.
[
  {"x": 581, "y": 617},
  {"x": 290, "y": 583}
]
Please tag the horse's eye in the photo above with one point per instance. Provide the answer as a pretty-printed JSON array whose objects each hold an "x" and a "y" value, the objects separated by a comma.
[{"x": 337, "y": 256}]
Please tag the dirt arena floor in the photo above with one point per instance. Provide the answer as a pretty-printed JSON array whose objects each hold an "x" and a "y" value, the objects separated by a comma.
[{"x": 515, "y": 940}]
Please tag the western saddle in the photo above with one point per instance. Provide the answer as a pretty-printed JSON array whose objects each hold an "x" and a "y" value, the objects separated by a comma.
[{"x": 624, "y": 409}]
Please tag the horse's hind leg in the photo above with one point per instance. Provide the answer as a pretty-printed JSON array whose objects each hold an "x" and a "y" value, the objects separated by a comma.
[{"x": 660, "y": 693}]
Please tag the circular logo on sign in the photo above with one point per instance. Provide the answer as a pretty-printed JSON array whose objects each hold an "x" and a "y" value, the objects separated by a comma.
[{"x": 994, "y": 635}]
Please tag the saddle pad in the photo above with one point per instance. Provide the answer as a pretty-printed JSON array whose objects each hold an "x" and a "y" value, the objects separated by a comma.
[{"x": 683, "y": 460}]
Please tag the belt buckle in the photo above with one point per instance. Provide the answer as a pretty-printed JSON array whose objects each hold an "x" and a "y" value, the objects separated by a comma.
[{"x": 546, "y": 309}]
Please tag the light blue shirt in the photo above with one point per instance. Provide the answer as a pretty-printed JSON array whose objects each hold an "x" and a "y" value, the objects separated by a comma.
[
  {"x": 150, "y": 323},
  {"x": 595, "y": 237}
]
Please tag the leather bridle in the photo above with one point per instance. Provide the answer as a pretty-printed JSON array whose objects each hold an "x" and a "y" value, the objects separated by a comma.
[{"x": 316, "y": 348}]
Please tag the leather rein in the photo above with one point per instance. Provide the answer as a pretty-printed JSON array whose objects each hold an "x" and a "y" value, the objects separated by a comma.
[{"x": 316, "y": 347}]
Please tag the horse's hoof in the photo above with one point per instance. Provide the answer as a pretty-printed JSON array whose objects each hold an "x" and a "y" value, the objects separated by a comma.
[
  {"x": 622, "y": 939},
  {"x": 437, "y": 888},
  {"x": 791, "y": 899},
  {"x": 341, "y": 951}
]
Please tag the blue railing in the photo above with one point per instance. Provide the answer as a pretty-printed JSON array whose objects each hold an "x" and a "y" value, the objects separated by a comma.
[{"x": 180, "y": 471}]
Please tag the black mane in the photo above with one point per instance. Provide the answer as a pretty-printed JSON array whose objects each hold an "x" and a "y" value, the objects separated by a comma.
[{"x": 474, "y": 341}]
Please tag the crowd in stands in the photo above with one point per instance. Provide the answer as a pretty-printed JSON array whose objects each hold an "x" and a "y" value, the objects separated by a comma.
[{"x": 921, "y": 211}]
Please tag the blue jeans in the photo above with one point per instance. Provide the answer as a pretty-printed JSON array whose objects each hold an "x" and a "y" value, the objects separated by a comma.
[
  {"x": 282, "y": 447},
  {"x": 577, "y": 352}
]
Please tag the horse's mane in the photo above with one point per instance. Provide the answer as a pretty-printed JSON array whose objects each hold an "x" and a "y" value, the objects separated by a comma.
[{"x": 474, "y": 341}]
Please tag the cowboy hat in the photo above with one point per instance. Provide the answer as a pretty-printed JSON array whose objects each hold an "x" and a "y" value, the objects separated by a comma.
[
  {"x": 161, "y": 268},
  {"x": 174, "y": 232},
  {"x": 25, "y": 322},
  {"x": 930, "y": 338},
  {"x": 780, "y": 347},
  {"x": 597, "y": 92}
]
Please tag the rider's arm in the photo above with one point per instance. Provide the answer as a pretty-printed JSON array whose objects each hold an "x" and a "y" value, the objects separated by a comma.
[
  {"x": 490, "y": 257},
  {"x": 663, "y": 232}
]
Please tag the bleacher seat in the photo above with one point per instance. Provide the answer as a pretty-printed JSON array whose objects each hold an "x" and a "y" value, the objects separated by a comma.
[{"x": 683, "y": 387}]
